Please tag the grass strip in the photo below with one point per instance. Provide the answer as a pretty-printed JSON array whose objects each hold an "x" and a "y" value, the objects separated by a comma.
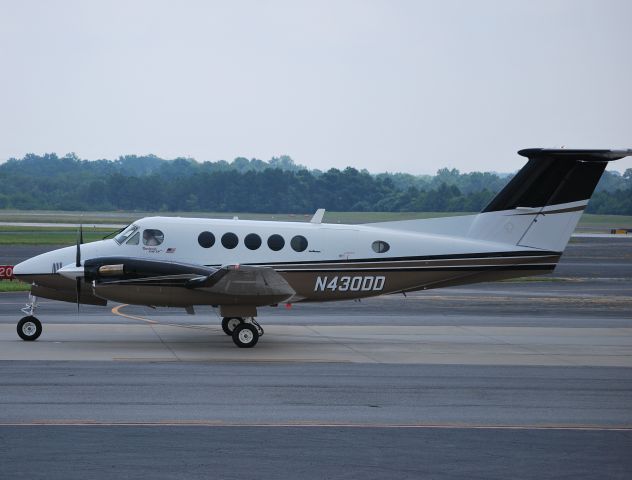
[
  {"x": 14, "y": 286},
  {"x": 16, "y": 235}
]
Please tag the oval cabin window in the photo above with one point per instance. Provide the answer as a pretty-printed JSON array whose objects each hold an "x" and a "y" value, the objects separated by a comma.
[
  {"x": 206, "y": 239},
  {"x": 299, "y": 243},
  {"x": 380, "y": 246},
  {"x": 276, "y": 242},
  {"x": 252, "y": 241},
  {"x": 229, "y": 240}
]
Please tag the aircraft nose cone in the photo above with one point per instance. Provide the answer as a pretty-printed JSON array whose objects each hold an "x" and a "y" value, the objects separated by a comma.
[{"x": 22, "y": 268}]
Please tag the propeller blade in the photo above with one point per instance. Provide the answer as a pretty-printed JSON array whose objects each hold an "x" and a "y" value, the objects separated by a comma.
[
  {"x": 78, "y": 280},
  {"x": 79, "y": 243},
  {"x": 78, "y": 288}
]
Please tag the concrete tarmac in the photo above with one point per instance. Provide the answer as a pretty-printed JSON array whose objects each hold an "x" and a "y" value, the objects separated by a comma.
[
  {"x": 161, "y": 452},
  {"x": 317, "y": 420},
  {"x": 469, "y": 345},
  {"x": 315, "y": 394},
  {"x": 525, "y": 379}
]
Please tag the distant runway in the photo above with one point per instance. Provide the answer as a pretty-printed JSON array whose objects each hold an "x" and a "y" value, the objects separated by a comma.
[
  {"x": 62, "y": 225},
  {"x": 510, "y": 380}
]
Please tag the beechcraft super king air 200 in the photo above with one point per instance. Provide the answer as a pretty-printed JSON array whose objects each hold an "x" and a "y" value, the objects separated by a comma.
[{"x": 240, "y": 265}]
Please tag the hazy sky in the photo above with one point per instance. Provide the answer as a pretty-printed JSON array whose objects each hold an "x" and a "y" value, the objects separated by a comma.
[{"x": 383, "y": 85}]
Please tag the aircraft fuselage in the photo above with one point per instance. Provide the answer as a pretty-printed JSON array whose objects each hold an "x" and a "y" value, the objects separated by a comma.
[{"x": 335, "y": 262}]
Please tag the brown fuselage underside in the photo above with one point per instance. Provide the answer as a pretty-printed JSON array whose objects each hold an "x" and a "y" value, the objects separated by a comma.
[{"x": 321, "y": 281}]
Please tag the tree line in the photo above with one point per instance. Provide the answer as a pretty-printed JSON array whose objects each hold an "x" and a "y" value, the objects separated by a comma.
[{"x": 149, "y": 183}]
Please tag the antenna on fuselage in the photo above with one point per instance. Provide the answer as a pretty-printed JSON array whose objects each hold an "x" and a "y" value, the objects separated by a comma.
[{"x": 318, "y": 216}]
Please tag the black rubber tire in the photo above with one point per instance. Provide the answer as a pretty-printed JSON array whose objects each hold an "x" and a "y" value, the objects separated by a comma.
[
  {"x": 25, "y": 328},
  {"x": 226, "y": 326},
  {"x": 248, "y": 338}
]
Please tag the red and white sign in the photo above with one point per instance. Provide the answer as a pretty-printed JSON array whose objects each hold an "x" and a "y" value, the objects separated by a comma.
[{"x": 6, "y": 272}]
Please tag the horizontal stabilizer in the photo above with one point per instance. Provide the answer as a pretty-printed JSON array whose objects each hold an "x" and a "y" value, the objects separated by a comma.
[{"x": 584, "y": 155}]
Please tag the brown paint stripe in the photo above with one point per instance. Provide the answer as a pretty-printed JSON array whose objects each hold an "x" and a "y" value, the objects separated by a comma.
[
  {"x": 380, "y": 259},
  {"x": 455, "y": 268},
  {"x": 469, "y": 262}
]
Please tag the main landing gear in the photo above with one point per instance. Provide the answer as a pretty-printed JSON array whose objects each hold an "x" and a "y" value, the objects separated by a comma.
[
  {"x": 245, "y": 332},
  {"x": 230, "y": 323},
  {"x": 29, "y": 327}
]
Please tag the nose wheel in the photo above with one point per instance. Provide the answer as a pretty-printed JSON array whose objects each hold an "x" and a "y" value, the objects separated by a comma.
[{"x": 29, "y": 328}]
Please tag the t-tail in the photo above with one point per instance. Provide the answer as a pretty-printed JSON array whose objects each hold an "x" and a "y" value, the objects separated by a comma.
[{"x": 541, "y": 205}]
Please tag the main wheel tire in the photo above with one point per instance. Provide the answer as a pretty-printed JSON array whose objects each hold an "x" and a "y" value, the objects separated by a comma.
[
  {"x": 245, "y": 335},
  {"x": 230, "y": 323},
  {"x": 29, "y": 328}
]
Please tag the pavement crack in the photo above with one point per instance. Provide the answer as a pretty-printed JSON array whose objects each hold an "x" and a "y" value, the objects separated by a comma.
[{"x": 165, "y": 344}]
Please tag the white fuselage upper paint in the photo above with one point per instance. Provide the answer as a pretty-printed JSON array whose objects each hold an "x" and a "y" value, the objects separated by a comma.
[
  {"x": 529, "y": 227},
  {"x": 326, "y": 242}
]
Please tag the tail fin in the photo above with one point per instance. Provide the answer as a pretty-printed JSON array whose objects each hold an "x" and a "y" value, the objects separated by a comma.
[{"x": 541, "y": 205}]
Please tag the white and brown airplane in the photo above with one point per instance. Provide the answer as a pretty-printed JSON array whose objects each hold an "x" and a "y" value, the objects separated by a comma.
[{"x": 241, "y": 265}]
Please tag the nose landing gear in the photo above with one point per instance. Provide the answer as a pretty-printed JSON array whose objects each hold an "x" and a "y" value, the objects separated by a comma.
[{"x": 29, "y": 328}]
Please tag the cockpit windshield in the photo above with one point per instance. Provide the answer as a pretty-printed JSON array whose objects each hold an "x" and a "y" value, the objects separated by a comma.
[{"x": 125, "y": 234}]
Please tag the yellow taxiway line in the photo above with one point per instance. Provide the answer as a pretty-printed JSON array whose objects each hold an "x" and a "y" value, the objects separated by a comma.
[{"x": 117, "y": 311}]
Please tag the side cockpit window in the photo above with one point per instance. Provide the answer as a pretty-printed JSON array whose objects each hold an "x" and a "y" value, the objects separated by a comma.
[
  {"x": 133, "y": 239},
  {"x": 152, "y": 237},
  {"x": 126, "y": 234}
]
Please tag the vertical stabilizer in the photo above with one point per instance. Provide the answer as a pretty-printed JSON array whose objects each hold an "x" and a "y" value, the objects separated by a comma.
[{"x": 541, "y": 205}]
